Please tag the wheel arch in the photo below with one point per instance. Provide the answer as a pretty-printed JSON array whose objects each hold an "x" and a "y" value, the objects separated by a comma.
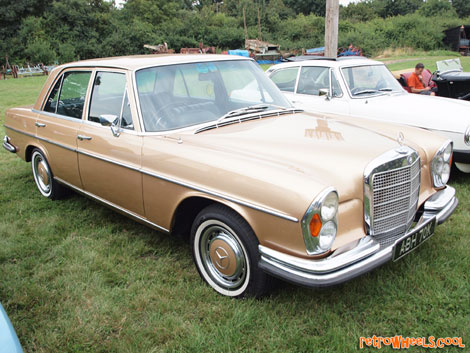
[{"x": 190, "y": 206}]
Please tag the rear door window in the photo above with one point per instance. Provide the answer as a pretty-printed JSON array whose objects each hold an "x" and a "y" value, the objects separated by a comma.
[{"x": 68, "y": 95}]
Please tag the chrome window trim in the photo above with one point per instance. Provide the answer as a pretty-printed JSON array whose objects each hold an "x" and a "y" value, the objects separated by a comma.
[
  {"x": 55, "y": 115},
  {"x": 112, "y": 205},
  {"x": 172, "y": 180},
  {"x": 402, "y": 157}
]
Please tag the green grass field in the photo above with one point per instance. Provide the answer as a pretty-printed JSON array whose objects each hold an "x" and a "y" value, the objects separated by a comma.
[{"x": 77, "y": 277}]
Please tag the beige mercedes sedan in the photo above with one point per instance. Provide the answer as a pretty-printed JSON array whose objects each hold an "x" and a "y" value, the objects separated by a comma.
[{"x": 207, "y": 146}]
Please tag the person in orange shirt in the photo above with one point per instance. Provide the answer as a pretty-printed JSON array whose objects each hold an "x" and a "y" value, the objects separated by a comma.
[{"x": 416, "y": 82}]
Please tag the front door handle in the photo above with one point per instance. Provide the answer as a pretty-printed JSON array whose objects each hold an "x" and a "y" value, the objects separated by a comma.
[
  {"x": 81, "y": 137},
  {"x": 40, "y": 124}
]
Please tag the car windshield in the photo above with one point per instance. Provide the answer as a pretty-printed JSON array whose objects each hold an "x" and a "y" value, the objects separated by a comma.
[
  {"x": 449, "y": 65},
  {"x": 178, "y": 96},
  {"x": 370, "y": 80}
]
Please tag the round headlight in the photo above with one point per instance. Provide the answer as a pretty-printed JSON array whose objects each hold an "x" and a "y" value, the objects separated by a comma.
[
  {"x": 329, "y": 206},
  {"x": 320, "y": 223},
  {"x": 327, "y": 236},
  {"x": 440, "y": 165},
  {"x": 466, "y": 136}
]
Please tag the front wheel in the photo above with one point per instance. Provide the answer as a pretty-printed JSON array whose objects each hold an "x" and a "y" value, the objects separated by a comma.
[{"x": 225, "y": 250}]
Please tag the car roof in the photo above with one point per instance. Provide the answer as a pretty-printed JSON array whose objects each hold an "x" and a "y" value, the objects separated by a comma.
[
  {"x": 135, "y": 62},
  {"x": 329, "y": 62}
]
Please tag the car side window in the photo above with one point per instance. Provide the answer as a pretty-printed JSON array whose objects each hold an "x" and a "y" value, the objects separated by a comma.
[
  {"x": 72, "y": 94},
  {"x": 313, "y": 79},
  {"x": 285, "y": 79},
  {"x": 109, "y": 97},
  {"x": 51, "y": 103}
]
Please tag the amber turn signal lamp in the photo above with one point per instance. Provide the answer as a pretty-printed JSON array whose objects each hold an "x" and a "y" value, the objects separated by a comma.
[{"x": 315, "y": 225}]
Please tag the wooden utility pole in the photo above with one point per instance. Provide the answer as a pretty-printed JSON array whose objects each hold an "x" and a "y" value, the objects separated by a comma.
[{"x": 331, "y": 28}]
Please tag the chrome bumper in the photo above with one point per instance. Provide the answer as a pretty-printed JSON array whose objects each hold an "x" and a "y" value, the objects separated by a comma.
[
  {"x": 353, "y": 259},
  {"x": 7, "y": 145}
]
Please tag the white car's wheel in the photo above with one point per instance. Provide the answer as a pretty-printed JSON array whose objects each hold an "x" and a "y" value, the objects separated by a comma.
[
  {"x": 225, "y": 252},
  {"x": 464, "y": 168}
]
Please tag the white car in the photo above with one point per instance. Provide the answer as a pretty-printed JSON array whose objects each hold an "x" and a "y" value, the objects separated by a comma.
[{"x": 361, "y": 87}]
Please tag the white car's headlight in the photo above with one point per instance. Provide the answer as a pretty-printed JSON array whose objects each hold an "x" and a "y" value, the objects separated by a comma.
[
  {"x": 441, "y": 164},
  {"x": 466, "y": 136},
  {"x": 320, "y": 223}
]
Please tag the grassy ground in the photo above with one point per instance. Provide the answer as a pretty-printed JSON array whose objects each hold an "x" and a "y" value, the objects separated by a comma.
[{"x": 77, "y": 277}]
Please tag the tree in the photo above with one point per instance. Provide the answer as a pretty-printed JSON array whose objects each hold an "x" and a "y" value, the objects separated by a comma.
[
  {"x": 462, "y": 7},
  {"x": 437, "y": 8},
  {"x": 361, "y": 11},
  {"x": 306, "y": 7}
]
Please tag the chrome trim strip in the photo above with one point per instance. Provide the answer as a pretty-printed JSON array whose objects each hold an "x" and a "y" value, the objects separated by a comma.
[
  {"x": 112, "y": 161},
  {"x": 41, "y": 139},
  {"x": 222, "y": 196},
  {"x": 112, "y": 205},
  {"x": 174, "y": 181}
]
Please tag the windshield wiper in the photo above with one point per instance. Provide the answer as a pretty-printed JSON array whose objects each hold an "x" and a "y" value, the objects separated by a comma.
[
  {"x": 247, "y": 110},
  {"x": 365, "y": 92},
  {"x": 386, "y": 89}
]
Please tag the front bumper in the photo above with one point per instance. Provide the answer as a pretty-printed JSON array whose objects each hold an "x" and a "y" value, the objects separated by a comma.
[
  {"x": 8, "y": 146},
  {"x": 353, "y": 259}
]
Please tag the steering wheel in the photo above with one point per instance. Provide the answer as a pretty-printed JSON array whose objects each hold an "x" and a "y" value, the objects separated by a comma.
[{"x": 161, "y": 113}]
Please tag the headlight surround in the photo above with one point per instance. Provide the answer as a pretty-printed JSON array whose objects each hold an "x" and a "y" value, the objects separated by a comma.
[
  {"x": 441, "y": 165},
  {"x": 320, "y": 222}
]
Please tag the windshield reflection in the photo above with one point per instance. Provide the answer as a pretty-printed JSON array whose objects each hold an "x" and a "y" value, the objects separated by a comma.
[{"x": 370, "y": 80}]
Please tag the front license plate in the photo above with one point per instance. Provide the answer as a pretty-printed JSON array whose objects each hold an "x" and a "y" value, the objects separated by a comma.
[{"x": 414, "y": 239}]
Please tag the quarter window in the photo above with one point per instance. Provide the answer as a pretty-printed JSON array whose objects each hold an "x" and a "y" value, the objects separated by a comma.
[
  {"x": 109, "y": 97},
  {"x": 285, "y": 79},
  {"x": 68, "y": 95}
]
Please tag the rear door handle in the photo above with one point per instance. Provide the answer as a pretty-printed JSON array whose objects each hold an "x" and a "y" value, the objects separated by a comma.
[
  {"x": 81, "y": 137},
  {"x": 40, "y": 124}
]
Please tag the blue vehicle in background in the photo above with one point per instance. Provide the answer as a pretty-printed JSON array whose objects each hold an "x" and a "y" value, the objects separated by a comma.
[{"x": 9, "y": 342}]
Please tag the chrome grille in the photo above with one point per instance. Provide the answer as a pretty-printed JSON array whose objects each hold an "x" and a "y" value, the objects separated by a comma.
[{"x": 391, "y": 194}]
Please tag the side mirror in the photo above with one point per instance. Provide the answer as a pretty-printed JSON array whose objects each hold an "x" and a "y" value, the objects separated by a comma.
[
  {"x": 113, "y": 121},
  {"x": 325, "y": 92}
]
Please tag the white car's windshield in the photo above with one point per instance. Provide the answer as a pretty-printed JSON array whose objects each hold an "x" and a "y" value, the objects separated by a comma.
[
  {"x": 369, "y": 80},
  {"x": 177, "y": 96}
]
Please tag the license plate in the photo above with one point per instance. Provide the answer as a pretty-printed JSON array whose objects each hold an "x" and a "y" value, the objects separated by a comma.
[{"x": 407, "y": 244}]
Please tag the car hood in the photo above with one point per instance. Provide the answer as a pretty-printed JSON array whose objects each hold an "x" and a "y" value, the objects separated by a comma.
[
  {"x": 305, "y": 151},
  {"x": 433, "y": 113}
]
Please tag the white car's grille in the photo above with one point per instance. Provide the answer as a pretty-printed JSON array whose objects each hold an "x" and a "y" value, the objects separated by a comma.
[{"x": 391, "y": 196}]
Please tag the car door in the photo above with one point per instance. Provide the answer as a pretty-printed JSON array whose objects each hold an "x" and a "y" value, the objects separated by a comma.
[
  {"x": 286, "y": 80},
  {"x": 110, "y": 156},
  {"x": 313, "y": 83},
  {"x": 59, "y": 120}
]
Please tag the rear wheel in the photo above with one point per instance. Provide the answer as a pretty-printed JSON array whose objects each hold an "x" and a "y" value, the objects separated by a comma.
[
  {"x": 43, "y": 177},
  {"x": 225, "y": 252}
]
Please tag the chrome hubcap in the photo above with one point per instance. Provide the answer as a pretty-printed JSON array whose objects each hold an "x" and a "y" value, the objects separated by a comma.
[
  {"x": 42, "y": 174},
  {"x": 223, "y": 257}
]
